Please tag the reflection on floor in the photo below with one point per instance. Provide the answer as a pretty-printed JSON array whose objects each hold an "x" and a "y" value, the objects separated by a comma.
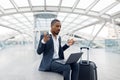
[{"x": 21, "y": 63}]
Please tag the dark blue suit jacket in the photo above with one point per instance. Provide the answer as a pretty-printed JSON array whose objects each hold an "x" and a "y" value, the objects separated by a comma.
[{"x": 48, "y": 50}]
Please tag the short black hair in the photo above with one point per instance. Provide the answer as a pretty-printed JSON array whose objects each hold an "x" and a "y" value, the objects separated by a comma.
[{"x": 54, "y": 21}]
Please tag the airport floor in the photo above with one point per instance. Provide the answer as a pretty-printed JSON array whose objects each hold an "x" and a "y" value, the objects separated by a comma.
[{"x": 21, "y": 63}]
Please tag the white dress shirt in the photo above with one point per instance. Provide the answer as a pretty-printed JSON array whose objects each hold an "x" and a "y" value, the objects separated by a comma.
[{"x": 56, "y": 47}]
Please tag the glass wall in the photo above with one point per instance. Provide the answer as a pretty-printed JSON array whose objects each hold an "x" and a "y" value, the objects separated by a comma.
[
  {"x": 112, "y": 45},
  {"x": 42, "y": 24},
  {"x": 7, "y": 44}
]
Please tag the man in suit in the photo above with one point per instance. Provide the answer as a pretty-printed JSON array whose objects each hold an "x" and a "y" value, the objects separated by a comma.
[{"x": 50, "y": 47}]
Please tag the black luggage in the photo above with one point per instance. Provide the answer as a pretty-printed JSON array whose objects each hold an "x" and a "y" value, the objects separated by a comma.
[{"x": 88, "y": 69}]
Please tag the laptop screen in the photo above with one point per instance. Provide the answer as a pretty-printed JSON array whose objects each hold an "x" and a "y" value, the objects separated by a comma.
[{"x": 74, "y": 57}]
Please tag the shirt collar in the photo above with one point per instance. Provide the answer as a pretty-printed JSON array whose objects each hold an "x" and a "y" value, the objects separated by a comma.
[{"x": 52, "y": 34}]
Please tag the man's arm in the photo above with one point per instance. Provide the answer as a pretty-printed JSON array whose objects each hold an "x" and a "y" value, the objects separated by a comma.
[
  {"x": 65, "y": 47},
  {"x": 41, "y": 46},
  {"x": 69, "y": 43},
  {"x": 43, "y": 39}
]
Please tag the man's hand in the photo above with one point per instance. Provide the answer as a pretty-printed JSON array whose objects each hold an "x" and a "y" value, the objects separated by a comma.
[
  {"x": 46, "y": 37},
  {"x": 70, "y": 42}
]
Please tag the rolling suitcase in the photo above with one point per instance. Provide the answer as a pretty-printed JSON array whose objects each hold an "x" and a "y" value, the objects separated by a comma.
[{"x": 88, "y": 69}]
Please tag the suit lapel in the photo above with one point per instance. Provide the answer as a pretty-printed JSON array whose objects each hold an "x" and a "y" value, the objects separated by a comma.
[
  {"x": 51, "y": 41},
  {"x": 59, "y": 40}
]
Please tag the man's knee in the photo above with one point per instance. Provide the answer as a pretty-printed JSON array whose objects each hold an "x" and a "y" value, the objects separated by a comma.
[
  {"x": 75, "y": 66},
  {"x": 67, "y": 68}
]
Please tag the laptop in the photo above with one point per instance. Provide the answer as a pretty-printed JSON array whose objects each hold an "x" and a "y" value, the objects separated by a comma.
[{"x": 74, "y": 57}]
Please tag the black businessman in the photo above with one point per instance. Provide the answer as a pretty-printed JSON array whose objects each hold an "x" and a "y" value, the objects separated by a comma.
[{"x": 50, "y": 47}]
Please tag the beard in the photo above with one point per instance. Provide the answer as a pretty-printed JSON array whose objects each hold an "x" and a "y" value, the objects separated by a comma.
[{"x": 56, "y": 33}]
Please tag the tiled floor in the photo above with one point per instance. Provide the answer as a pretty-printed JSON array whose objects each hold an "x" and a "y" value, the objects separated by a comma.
[{"x": 21, "y": 63}]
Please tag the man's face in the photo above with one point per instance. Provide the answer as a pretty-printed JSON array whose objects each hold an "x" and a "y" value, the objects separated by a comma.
[{"x": 56, "y": 28}]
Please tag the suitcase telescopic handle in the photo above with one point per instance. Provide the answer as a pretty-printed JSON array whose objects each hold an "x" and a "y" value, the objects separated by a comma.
[
  {"x": 87, "y": 53},
  {"x": 84, "y": 48}
]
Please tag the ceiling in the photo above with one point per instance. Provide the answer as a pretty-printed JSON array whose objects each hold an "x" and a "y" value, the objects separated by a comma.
[{"x": 87, "y": 18}]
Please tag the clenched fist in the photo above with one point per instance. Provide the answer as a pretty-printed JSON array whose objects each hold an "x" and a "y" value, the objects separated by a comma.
[
  {"x": 46, "y": 37},
  {"x": 70, "y": 42}
]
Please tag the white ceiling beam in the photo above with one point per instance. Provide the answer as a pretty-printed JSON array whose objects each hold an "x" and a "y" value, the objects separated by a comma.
[
  {"x": 10, "y": 23},
  {"x": 2, "y": 10},
  {"x": 118, "y": 0},
  {"x": 83, "y": 21},
  {"x": 91, "y": 6},
  {"x": 27, "y": 19},
  {"x": 60, "y": 3},
  {"x": 45, "y": 5},
  {"x": 15, "y": 5},
  {"x": 97, "y": 33},
  {"x": 77, "y": 29},
  {"x": 75, "y": 5},
  {"x": 63, "y": 9},
  {"x": 7, "y": 26},
  {"x": 116, "y": 15},
  {"x": 65, "y": 17},
  {"x": 108, "y": 8},
  {"x": 30, "y": 4},
  {"x": 52, "y": 8},
  {"x": 94, "y": 23},
  {"x": 20, "y": 22},
  {"x": 70, "y": 28},
  {"x": 78, "y": 16}
]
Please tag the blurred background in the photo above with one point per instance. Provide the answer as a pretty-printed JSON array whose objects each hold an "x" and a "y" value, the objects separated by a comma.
[{"x": 92, "y": 23}]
